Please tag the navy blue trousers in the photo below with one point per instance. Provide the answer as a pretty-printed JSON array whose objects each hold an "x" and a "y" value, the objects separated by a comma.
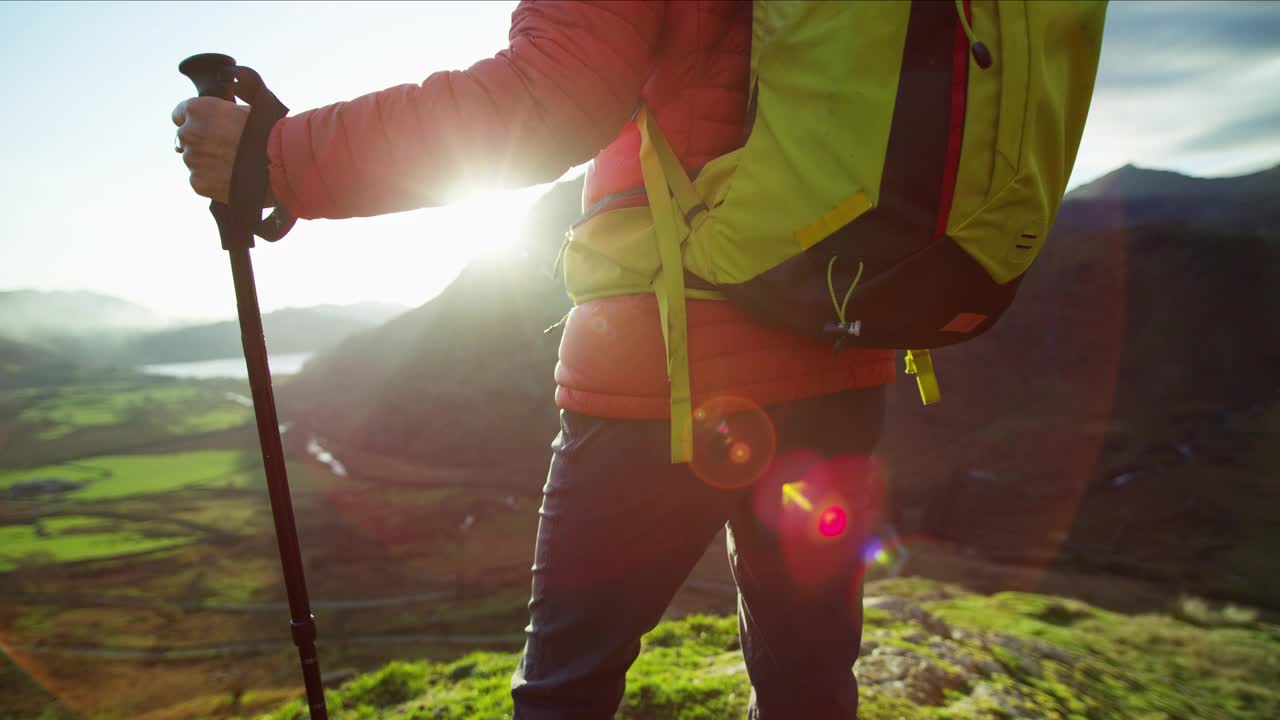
[{"x": 621, "y": 528}]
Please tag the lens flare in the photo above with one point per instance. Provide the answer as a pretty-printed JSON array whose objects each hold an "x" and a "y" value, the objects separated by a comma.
[
  {"x": 733, "y": 442},
  {"x": 833, "y": 521},
  {"x": 822, "y": 511},
  {"x": 600, "y": 326},
  {"x": 886, "y": 554},
  {"x": 38, "y": 676}
]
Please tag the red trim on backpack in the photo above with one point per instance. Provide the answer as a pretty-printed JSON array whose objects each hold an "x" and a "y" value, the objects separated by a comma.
[
  {"x": 959, "y": 89},
  {"x": 964, "y": 322}
]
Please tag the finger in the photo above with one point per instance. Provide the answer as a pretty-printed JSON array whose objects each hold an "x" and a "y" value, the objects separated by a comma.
[
  {"x": 206, "y": 106},
  {"x": 199, "y": 185},
  {"x": 179, "y": 115},
  {"x": 199, "y": 161},
  {"x": 188, "y": 136}
]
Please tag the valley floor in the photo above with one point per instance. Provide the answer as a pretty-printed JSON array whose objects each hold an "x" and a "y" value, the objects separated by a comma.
[{"x": 136, "y": 542}]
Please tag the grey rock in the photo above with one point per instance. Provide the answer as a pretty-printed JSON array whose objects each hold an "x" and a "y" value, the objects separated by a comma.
[
  {"x": 907, "y": 674},
  {"x": 909, "y": 612}
]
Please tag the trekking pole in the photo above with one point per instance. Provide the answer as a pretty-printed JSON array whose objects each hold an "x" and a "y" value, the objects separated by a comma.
[{"x": 218, "y": 76}]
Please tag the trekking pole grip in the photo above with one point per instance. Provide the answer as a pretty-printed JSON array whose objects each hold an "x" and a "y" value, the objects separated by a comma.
[
  {"x": 212, "y": 73},
  {"x": 217, "y": 75}
]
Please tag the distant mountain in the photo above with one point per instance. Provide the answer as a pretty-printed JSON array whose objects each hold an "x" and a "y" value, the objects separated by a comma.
[
  {"x": 1131, "y": 181},
  {"x": 1132, "y": 196},
  {"x": 465, "y": 378},
  {"x": 99, "y": 330},
  {"x": 28, "y": 314},
  {"x": 287, "y": 331}
]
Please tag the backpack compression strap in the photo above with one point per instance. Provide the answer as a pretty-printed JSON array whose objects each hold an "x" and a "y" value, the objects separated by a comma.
[
  {"x": 920, "y": 364},
  {"x": 663, "y": 176}
]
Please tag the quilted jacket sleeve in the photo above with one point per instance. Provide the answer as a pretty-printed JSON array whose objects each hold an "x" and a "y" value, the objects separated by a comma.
[{"x": 562, "y": 90}]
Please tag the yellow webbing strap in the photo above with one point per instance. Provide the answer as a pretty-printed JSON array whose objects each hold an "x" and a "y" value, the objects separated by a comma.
[
  {"x": 669, "y": 286},
  {"x": 672, "y": 171},
  {"x": 920, "y": 364}
]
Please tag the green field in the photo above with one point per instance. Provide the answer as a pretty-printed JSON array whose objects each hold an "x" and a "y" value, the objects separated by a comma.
[
  {"x": 118, "y": 476},
  {"x": 167, "y": 546},
  {"x": 62, "y": 412},
  {"x": 74, "y": 538}
]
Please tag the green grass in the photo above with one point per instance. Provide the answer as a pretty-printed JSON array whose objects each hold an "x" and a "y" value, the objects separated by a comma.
[
  {"x": 213, "y": 420},
  {"x": 183, "y": 409},
  {"x": 1145, "y": 666},
  {"x": 1045, "y": 657},
  {"x": 72, "y": 538},
  {"x": 70, "y": 409},
  {"x": 76, "y": 473},
  {"x": 117, "y": 476}
]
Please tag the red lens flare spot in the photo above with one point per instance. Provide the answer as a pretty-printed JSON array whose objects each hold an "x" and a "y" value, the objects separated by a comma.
[
  {"x": 733, "y": 442},
  {"x": 833, "y": 521}
]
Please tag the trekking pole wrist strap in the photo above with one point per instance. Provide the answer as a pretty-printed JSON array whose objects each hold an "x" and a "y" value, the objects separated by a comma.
[{"x": 250, "y": 175}]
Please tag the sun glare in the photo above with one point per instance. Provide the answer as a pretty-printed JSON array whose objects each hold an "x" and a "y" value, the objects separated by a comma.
[{"x": 487, "y": 223}]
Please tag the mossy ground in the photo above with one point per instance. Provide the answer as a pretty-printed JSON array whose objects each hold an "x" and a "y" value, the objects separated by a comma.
[{"x": 932, "y": 652}]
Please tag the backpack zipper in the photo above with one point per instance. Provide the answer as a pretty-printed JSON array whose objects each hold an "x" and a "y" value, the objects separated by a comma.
[{"x": 981, "y": 54}]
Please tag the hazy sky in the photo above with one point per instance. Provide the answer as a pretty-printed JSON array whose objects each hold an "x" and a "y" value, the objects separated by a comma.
[{"x": 95, "y": 198}]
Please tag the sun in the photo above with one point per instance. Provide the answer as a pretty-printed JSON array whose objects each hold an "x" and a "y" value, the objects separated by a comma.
[{"x": 487, "y": 223}]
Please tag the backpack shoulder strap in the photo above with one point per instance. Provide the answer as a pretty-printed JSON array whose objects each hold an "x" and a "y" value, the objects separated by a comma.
[{"x": 655, "y": 159}]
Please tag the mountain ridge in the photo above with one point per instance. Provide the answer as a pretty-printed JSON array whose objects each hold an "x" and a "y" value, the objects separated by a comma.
[
  {"x": 35, "y": 314},
  {"x": 288, "y": 330},
  {"x": 1133, "y": 181}
]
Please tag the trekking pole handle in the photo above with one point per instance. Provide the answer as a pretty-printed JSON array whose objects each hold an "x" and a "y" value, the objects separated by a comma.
[
  {"x": 217, "y": 75},
  {"x": 212, "y": 73}
]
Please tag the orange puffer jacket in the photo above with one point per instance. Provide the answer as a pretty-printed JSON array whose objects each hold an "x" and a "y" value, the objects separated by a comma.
[{"x": 561, "y": 94}]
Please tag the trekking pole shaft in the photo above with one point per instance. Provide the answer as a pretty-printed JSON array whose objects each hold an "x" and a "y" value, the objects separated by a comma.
[
  {"x": 214, "y": 75},
  {"x": 302, "y": 623}
]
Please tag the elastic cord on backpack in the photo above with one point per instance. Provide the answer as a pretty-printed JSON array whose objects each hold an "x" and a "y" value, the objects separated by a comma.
[{"x": 840, "y": 306}]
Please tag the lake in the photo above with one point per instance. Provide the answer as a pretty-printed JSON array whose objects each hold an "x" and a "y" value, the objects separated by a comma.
[{"x": 232, "y": 367}]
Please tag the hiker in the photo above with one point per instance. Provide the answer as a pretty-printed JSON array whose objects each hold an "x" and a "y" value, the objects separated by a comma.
[{"x": 770, "y": 431}]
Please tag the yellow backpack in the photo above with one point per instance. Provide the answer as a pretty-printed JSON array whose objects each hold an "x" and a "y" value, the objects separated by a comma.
[{"x": 903, "y": 164}]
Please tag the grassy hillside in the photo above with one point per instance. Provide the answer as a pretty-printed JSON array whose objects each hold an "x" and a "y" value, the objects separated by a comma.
[
  {"x": 465, "y": 379},
  {"x": 930, "y": 652},
  {"x": 1119, "y": 418},
  {"x": 24, "y": 364}
]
